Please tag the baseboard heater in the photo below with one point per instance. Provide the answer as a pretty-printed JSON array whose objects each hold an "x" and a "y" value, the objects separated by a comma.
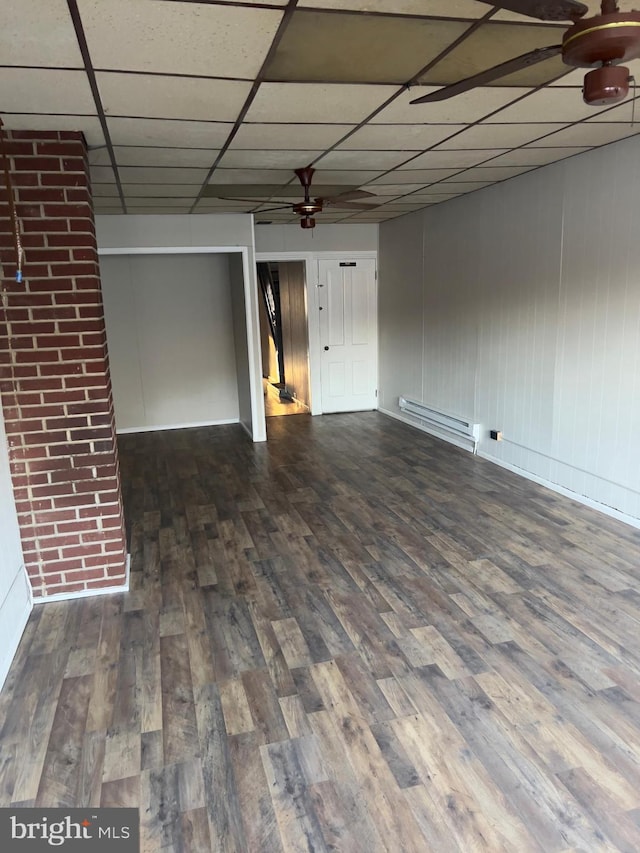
[{"x": 450, "y": 427}]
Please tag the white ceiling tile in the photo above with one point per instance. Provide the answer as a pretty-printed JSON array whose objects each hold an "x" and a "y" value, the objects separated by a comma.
[
  {"x": 437, "y": 8},
  {"x": 157, "y": 210},
  {"x": 589, "y": 133},
  {"x": 150, "y": 202},
  {"x": 274, "y": 159},
  {"x": 316, "y": 102},
  {"x": 160, "y": 190},
  {"x": 166, "y": 133},
  {"x": 99, "y": 156},
  {"x": 491, "y": 173},
  {"x": 458, "y": 186},
  {"x": 574, "y": 77},
  {"x": 178, "y": 38},
  {"x": 434, "y": 198},
  {"x": 499, "y": 135},
  {"x": 426, "y": 175},
  {"x": 149, "y": 175},
  {"x": 252, "y": 176},
  {"x": 463, "y": 109},
  {"x": 226, "y": 207},
  {"x": 624, "y": 112},
  {"x": 289, "y": 136},
  {"x": 262, "y": 2},
  {"x": 457, "y": 159},
  {"x": 104, "y": 190},
  {"x": 144, "y": 96},
  {"x": 37, "y": 33},
  {"x": 530, "y": 156},
  {"x": 548, "y": 105},
  {"x": 102, "y": 174},
  {"x": 89, "y": 125},
  {"x": 393, "y": 190},
  {"x": 46, "y": 90},
  {"x": 419, "y": 177},
  {"x": 411, "y": 137},
  {"x": 400, "y": 206},
  {"x": 354, "y": 159},
  {"x": 150, "y": 157},
  {"x": 345, "y": 176}
]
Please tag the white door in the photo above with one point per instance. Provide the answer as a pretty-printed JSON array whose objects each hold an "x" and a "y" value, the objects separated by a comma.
[
  {"x": 15, "y": 593},
  {"x": 348, "y": 334}
]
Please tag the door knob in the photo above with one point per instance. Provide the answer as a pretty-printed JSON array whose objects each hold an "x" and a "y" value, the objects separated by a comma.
[{"x": 326, "y": 348}]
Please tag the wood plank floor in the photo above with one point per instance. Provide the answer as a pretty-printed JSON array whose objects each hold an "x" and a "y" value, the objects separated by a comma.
[{"x": 351, "y": 638}]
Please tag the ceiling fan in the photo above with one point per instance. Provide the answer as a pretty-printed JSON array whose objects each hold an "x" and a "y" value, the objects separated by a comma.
[
  {"x": 308, "y": 207},
  {"x": 600, "y": 42}
]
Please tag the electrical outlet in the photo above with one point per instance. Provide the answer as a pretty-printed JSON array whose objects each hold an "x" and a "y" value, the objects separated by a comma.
[{"x": 496, "y": 435}]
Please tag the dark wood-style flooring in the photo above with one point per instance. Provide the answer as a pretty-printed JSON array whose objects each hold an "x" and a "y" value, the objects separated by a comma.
[{"x": 351, "y": 638}]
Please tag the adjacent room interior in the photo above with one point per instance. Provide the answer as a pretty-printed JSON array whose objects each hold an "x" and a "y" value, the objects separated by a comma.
[{"x": 319, "y": 470}]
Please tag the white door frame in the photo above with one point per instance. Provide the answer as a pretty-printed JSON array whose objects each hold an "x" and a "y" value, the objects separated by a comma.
[
  {"x": 258, "y": 420},
  {"x": 310, "y": 260}
]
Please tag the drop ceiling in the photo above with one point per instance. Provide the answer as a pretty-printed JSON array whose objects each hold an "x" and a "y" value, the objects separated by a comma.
[{"x": 191, "y": 107}]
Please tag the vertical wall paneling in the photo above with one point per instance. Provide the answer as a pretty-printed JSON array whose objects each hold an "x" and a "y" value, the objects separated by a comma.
[{"x": 519, "y": 306}]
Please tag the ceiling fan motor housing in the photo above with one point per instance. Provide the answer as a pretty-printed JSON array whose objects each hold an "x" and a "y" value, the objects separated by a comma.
[
  {"x": 601, "y": 43},
  {"x": 606, "y": 85}
]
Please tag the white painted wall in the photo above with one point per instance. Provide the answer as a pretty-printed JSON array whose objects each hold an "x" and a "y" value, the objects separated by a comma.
[
  {"x": 156, "y": 231},
  {"x": 323, "y": 238},
  {"x": 15, "y": 591},
  {"x": 519, "y": 306},
  {"x": 169, "y": 234},
  {"x": 171, "y": 341},
  {"x": 239, "y": 327}
]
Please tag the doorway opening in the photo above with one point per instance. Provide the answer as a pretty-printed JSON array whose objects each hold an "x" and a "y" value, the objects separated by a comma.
[{"x": 284, "y": 337}]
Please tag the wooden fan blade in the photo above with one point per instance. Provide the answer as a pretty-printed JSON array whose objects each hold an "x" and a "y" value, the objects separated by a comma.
[
  {"x": 350, "y": 195},
  {"x": 271, "y": 209},
  {"x": 264, "y": 200},
  {"x": 544, "y": 10},
  {"x": 491, "y": 74},
  {"x": 348, "y": 205}
]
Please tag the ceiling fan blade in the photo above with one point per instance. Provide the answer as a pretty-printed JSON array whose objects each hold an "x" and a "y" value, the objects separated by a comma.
[
  {"x": 264, "y": 200},
  {"x": 348, "y": 205},
  {"x": 544, "y": 10},
  {"x": 350, "y": 195},
  {"x": 271, "y": 209},
  {"x": 491, "y": 74}
]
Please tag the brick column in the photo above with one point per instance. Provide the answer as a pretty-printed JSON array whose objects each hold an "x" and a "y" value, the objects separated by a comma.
[{"x": 54, "y": 373}]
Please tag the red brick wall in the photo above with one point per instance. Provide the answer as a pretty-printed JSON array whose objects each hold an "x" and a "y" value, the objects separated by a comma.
[{"x": 54, "y": 373}]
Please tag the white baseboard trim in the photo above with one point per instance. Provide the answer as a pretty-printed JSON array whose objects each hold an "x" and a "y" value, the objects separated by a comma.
[
  {"x": 86, "y": 593},
  {"x": 555, "y": 487},
  {"x": 160, "y": 427},
  {"x": 416, "y": 424}
]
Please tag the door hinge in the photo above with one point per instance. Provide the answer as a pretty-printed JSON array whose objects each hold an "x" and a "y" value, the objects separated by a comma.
[{"x": 376, "y": 392}]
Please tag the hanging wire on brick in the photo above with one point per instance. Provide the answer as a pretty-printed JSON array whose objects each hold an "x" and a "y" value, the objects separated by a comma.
[{"x": 15, "y": 224}]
